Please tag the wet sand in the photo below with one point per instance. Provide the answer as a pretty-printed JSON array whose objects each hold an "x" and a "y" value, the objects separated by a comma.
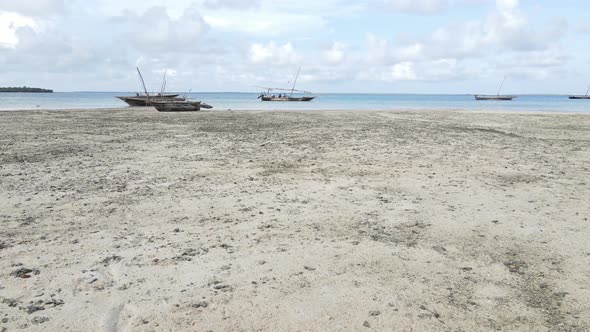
[{"x": 134, "y": 220}]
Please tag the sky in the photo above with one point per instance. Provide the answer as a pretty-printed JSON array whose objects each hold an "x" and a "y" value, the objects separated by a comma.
[{"x": 365, "y": 46}]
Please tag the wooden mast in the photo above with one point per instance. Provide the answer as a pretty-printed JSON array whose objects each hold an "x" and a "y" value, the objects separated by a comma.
[
  {"x": 163, "y": 84},
  {"x": 295, "y": 82},
  {"x": 501, "y": 85},
  {"x": 142, "y": 82}
]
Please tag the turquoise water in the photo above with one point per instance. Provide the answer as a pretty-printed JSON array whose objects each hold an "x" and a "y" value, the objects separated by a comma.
[{"x": 328, "y": 101}]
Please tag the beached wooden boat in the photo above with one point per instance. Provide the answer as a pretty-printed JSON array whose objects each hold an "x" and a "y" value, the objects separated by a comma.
[
  {"x": 163, "y": 102},
  {"x": 158, "y": 95},
  {"x": 147, "y": 100},
  {"x": 586, "y": 96},
  {"x": 177, "y": 106},
  {"x": 498, "y": 96},
  {"x": 270, "y": 96}
]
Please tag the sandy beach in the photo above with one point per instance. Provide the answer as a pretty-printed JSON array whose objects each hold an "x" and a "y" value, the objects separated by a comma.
[{"x": 134, "y": 220}]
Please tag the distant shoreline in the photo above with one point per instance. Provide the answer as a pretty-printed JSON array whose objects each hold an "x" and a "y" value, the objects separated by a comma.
[{"x": 25, "y": 89}]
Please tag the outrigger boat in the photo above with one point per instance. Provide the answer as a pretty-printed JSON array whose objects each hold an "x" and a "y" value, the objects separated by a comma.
[
  {"x": 498, "y": 96},
  {"x": 164, "y": 102},
  {"x": 586, "y": 96},
  {"x": 146, "y": 98},
  {"x": 179, "y": 106},
  {"x": 270, "y": 96}
]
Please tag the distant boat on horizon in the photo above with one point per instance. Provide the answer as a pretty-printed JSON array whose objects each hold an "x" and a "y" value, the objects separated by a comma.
[
  {"x": 269, "y": 96},
  {"x": 498, "y": 96},
  {"x": 586, "y": 96}
]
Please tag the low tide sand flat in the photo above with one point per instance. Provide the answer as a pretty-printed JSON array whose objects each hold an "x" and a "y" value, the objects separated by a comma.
[{"x": 136, "y": 220}]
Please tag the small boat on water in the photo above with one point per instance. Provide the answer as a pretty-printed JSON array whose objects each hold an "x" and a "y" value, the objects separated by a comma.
[
  {"x": 498, "y": 96},
  {"x": 492, "y": 97},
  {"x": 270, "y": 96},
  {"x": 586, "y": 96}
]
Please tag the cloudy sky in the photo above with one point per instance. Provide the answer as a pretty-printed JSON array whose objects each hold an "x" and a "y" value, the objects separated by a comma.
[{"x": 394, "y": 46}]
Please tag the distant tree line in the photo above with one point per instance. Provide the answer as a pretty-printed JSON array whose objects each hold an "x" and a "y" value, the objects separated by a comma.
[{"x": 24, "y": 89}]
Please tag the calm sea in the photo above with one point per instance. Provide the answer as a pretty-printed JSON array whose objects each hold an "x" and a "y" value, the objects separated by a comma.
[{"x": 327, "y": 101}]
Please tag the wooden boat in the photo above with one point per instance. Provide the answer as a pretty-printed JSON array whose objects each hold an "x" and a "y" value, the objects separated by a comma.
[
  {"x": 158, "y": 95},
  {"x": 270, "y": 96},
  {"x": 498, "y": 96},
  {"x": 147, "y": 100},
  {"x": 163, "y": 102},
  {"x": 586, "y": 96},
  {"x": 177, "y": 106},
  {"x": 163, "y": 105}
]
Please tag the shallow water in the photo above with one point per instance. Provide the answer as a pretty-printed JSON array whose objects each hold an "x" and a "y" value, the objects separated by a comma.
[{"x": 327, "y": 101}]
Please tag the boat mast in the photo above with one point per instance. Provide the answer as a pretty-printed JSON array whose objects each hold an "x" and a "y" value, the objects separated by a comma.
[
  {"x": 163, "y": 83},
  {"x": 295, "y": 82},
  {"x": 587, "y": 90},
  {"x": 142, "y": 82},
  {"x": 500, "y": 89}
]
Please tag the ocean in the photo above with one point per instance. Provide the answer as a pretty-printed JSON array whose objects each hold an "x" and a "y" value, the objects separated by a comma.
[{"x": 326, "y": 101}]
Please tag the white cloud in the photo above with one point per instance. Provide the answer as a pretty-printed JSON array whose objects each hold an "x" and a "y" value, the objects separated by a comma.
[
  {"x": 403, "y": 71},
  {"x": 417, "y": 6},
  {"x": 155, "y": 31},
  {"x": 50, "y": 51},
  {"x": 583, "y": 28},
  {"x": 81, "y": 44},
  {"x": 382, "y": 51},
  {"x": 423, "y": 70},
  {"x": 335, "y": 54},
  {"x": 232, "y": 4},
  {"x": 9, "y": 23},
  {"x": 33, "y": 7},
  {"x": 538, "y": 60},
  {"x": 505, "y": 30},
  {"x": 505, "y": 41},
  {"x": 422, "y": 7},
  {"x": 272, "y": 54},
  {"x": 267, "y": 23},
  {"x": 507, "y": 5}
]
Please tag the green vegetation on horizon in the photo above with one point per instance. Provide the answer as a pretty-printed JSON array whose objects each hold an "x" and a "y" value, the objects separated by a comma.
[{"x": 24, "y": 89}]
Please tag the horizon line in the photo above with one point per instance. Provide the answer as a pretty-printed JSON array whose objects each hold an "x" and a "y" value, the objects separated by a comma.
[{"x": 319, "y": 93}]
